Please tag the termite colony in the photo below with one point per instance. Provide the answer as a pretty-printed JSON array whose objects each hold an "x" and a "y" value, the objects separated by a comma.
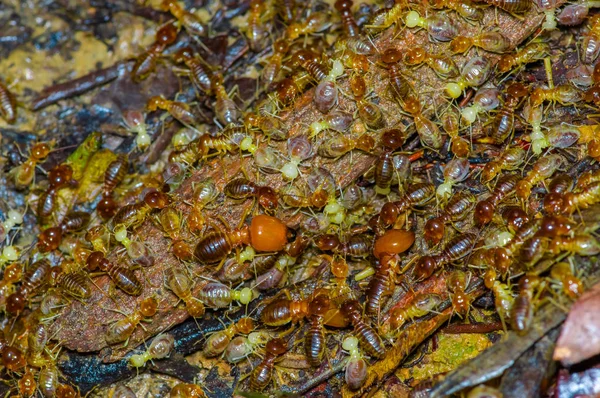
[{"x": 364, "y": 188}]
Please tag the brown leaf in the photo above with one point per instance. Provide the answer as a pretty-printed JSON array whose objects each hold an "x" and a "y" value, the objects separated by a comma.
[{"x": 580, "y": 335}]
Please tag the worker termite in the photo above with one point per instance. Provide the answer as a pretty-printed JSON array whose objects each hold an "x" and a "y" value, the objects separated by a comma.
[
  {"x": 273, "y": 66},
  {"x": 429, "y": 132},
  {"x": 262, "y": 373},
  {"x": 485, "y": 209},
  {"x": 124, "y": 278},
  {"x": 356, "y": 367},
  {"x": 217, "y": 295},
  {"x": 315, "y": 23},
  {"x": 530, "y": 53},
  {"x": 503, "y": 296},
  {"x": 256, "y": 29},
  {"x": 503, "y": 124},
  {"x": 564, "y": 94},
  {"x": 457, "y": 283},
  {"x": 442, "y": 65},
  {"x": 146, "y": 63},
  {"x": 188, "y": 20},
  {"x": 48, "y": 381},
  {"x": 8, "y": 104},
  {"x": 465, "y": 8},
  {"x": 241, "y": 188},
  {"x": 587, "y": 196},
  {"x": 355, "y": 246},
  {"x": 511, "y": 6},
  {"x": 416, "y": 195},
  {"x": 283, "y": 311},
  {"x": 178, "y": 110},
  {"x": 198, "y": 71},
  {"x": 353, "y": 38},
  {"x": 473, "y": 74},
  {"x": 121, "y": 330},
  {"x": 25, "y": 172},
  {"x": 521, "y": 313},
  {"x": 218, "y": 341},
  {"x": 59, "y": 177},
  {"x": 439, "y": 26},
  {"x": 34, "y": 279},
  {"x": 387, "y": 17},
  {"x": 456, "y": 249},
  {"x": 384, "y": 166},
  {"x": 160, "y": 348},
  {"x": 225, "y": 108},
  {"x": 543, "y": 168},
  {"x": 135, "y": 122},
  {"x": 134, "y": 215},
  {"x": 398, "y": 84},
  {"x": 136, "y": 250},
  {"x": 181, "y": 285},
  {"x": 420, "y": 306},
  {"x": 381, "y": 284},
  {"x": 560, "y": 185},
  {"x": 314, "y": 339},
  {"x": 369, "y": 112},
  {"x": 336, "y": 120},
  {"x": 113, "y": 176},
  {"x": 584, "y": 245},
  {"x": 494, "y": 42},
  {"x": 241, "y": 347},
  {"x": 562, "y": 277},
  {"x": 485, "y": 100},
  {"x": 187, "y": 390},
  {"x": 74, "y": 284},
  {"x": 455, "y": 171},
  {"x": 510, "y": 159},
  {"x": 457, "y": 209},
  {"x": 340, "y": 145},
  {"x": 366, "y": 335}
]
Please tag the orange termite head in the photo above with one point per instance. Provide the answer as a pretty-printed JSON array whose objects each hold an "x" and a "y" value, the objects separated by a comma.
[
  {"x": 460, "y": 44},
  {"x": 40, "y": 151},
  {"x": 392, "y": 139},
  {"x": 351, "y": 309},
  {"x": 302, "y": 56},
  {"x": 327, "y": 242},
  {"x": 517, "y": 90},
  {"x": 157, "y": 199},
  {"x": 148, "y": 307},
  {"x": 529, "y": 281},
  {"x": 415, "y": 56},
  {"x": 166, "y": 35},
  {"x": 155, "y": 103},
  {"x": 245, "y": 325},
  {"x": 277, "y": 346},
  {"x": 484, "y": 212},
  {"x": 489, "y": 278},
  {"x": 537, "y": 97},
  {"x": 267, "y": 197},
  {"x": 412, "y": 105},
  {"x": 319, "y": 305},
  {"x": 343, "y": 5},
  {"x": 280, "y": 46},
  {"x": 425, "y": 267},
  {"x": 183, "y": 55},
  {"x": 166, "y": 5},
  {"x": 391, "y": 56}
]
